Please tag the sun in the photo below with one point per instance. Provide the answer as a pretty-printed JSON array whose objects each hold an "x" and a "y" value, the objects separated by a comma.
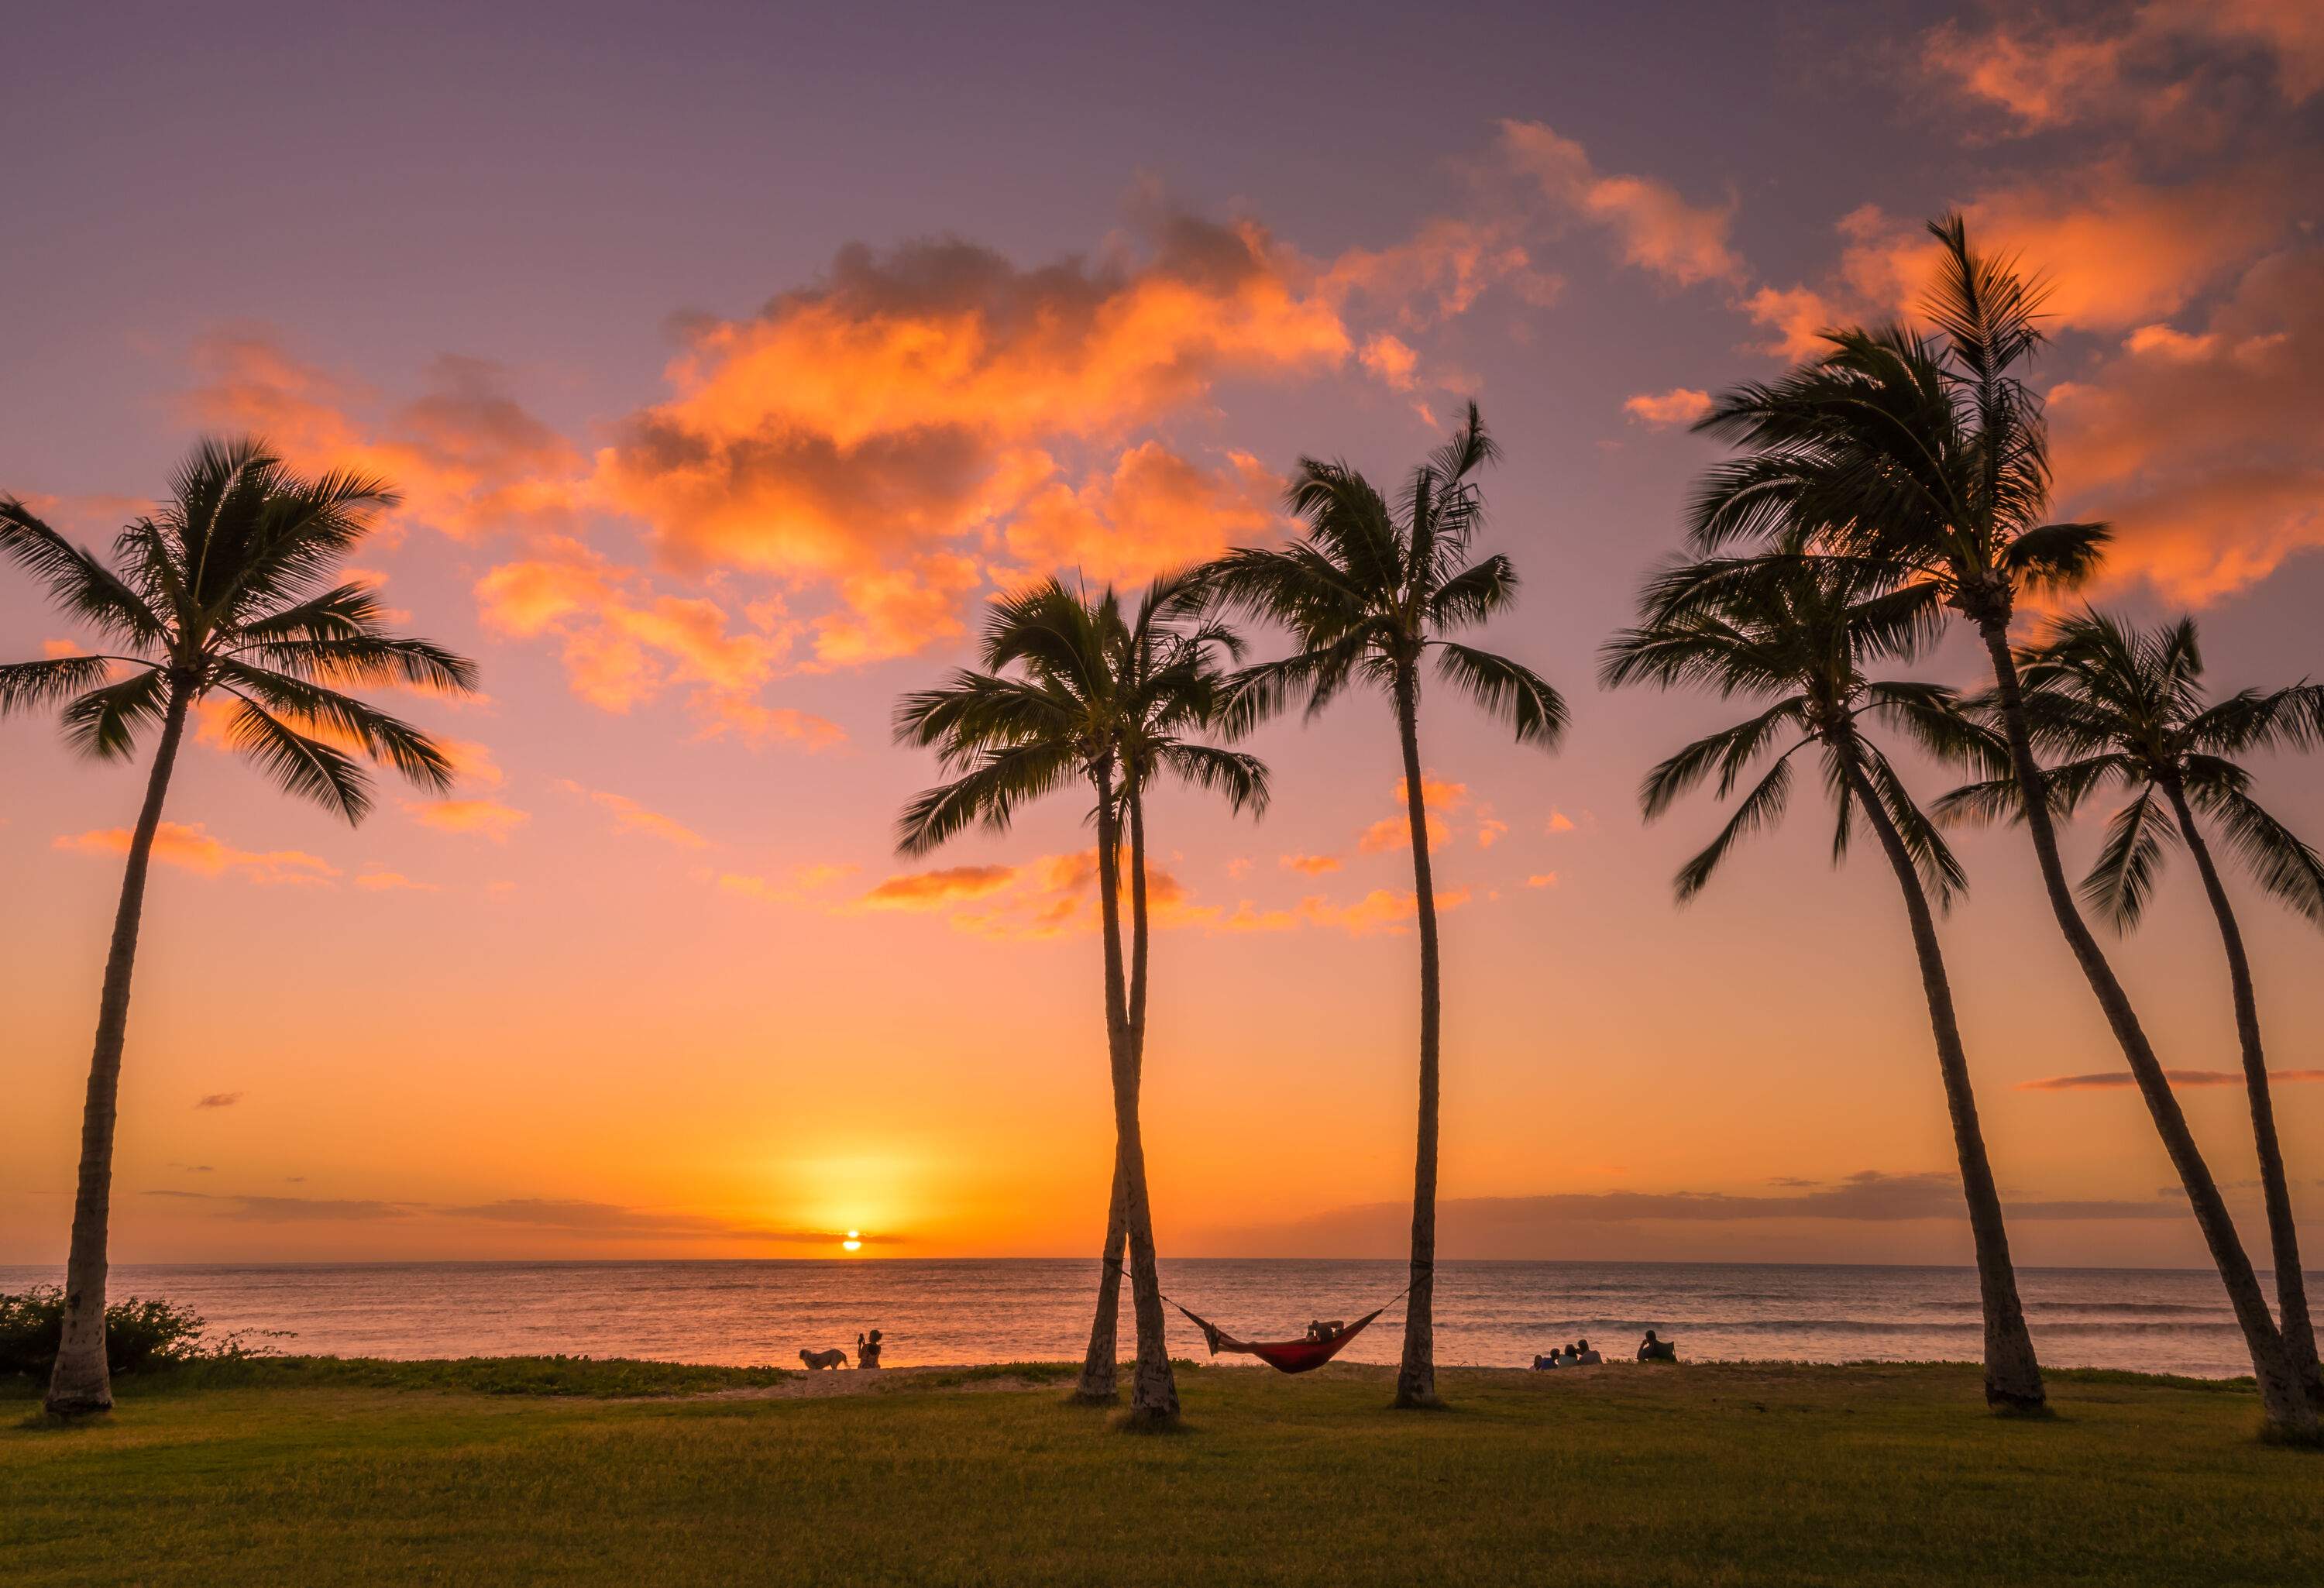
[{"x": 854, "y": 1241}]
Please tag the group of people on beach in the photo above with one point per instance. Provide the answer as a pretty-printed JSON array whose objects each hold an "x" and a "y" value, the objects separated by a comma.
[{"x": 1580, "y": 1355}]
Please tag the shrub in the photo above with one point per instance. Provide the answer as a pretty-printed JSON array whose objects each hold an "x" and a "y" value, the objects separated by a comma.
[{"x": 138, "y": 1333}]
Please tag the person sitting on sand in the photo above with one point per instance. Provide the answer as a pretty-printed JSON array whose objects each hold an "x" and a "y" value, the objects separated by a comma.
[
  {"x": 1542, "y": 1364},
  {"x": 1653, "y": 1350},
  {"x": 1583, "y": 1356},
  {"x": 867, "y": 1350},
  {"x": 1321, "y": 1330}
]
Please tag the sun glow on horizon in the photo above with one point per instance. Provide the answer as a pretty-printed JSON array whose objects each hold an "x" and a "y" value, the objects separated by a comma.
[{"x": 853, "y": 1243}]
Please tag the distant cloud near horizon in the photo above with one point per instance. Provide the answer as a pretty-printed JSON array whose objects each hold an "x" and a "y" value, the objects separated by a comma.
[
  {"x": 560, "y": 1214},
  {"x": 218, "y": 1100},
  {"x": 2110, "y": 1080}
]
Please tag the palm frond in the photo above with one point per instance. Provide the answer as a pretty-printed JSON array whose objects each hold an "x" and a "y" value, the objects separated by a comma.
[
  {"x": 1508, "y": 691},
  {"x": 2123, "y": 877}
]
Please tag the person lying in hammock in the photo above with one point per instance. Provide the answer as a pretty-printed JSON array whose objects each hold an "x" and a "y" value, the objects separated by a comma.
[{"x": 1320, "y": 1332}]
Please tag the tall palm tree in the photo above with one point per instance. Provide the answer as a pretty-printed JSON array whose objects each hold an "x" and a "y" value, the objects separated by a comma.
[
  {"x": 223, "y": 593},
  {"x": 1931, "y": 452},
  {"x": 1072, "y": 692},
  {"x": 1793, "y": 635},
  {"x": 1370, "y": 591},
  {"x": 2116, "y": 708}
]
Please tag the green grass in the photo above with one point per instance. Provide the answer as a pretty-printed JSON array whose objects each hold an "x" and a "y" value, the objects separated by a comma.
[{"x": 342, "y": 1471}]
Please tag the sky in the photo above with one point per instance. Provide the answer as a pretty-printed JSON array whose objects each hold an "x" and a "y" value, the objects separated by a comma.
[{"x": 729, "y": 358}]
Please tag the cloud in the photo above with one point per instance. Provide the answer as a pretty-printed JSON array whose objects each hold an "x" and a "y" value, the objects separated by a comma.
[
  {"x": 381, "y": 881},
  {"x": 1681, "y": 405},
  {"x": 1653, "y": 226},
  {"x": 1558, "y": 822},
  {"x": 289, "y": 1210},
  {"x": 191, "y": 847},
  {"x": 935, "y": 890},
  {"x": 1152, "y": 511},
  {"x": 2162, "y": 62},
  {"x": 1383, "y": 909},
  {"x": 1312, "y": 865},
  {"x": 485, "y": 818},
  {"x": 1490, "y": 830},
  {"x": 218, "y": 1100},
  {"x": 881, "y": 430},
  {"x": 1436, "y": 275},
  {"x": 630, "y": 817},
  {"x": 2110, "y": 1080},
  {"x": 464, "y": 455},
  {"x": 1509, "y": 1226},
  {"x": 2200, "y": 446},
  {"x": 2116, "y": 251},
  {"x": 1542, "y": 880},
  {"x": 472, "y": 765},
  {"x": 563, "y": 1215}
]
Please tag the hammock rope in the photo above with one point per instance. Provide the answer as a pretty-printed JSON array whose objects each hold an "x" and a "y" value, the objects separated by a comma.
[{"x": 1285, "y": 1356}]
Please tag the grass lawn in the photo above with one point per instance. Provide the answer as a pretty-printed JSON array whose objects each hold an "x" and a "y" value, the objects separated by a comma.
[{"x": 316, "y": 1472}]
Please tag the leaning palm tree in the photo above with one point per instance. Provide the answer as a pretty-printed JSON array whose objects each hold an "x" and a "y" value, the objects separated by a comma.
[
  {"x": 2113, "y": 707},
  {"x": 1793, "y": 635},
  {"x": 1369, "y": 591},
  {"x": 1931, "y": 451},
  {"x": 1072, "y": 692},
  {"x": 224, "y": 594}
]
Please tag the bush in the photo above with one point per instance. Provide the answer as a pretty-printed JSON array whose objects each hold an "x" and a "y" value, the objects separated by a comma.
[{"x": 138, "y": 1334}]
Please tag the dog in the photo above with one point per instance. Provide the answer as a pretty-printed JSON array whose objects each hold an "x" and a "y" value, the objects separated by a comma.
[{"x": 834, "y": 1358}]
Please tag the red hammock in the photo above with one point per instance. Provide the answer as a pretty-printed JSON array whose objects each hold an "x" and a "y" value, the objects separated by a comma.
[{"x": 1285, "y": 1356}]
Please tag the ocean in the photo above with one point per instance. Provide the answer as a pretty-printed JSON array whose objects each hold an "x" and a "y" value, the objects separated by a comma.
[{"x": 981, "y": 1310}]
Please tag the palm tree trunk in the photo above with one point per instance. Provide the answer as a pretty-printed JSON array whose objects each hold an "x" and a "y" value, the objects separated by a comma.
[
  {"x": 80, "y": 1382},
  {"x": 2283, "y": 1398},
  {"x": 2283, "y": 1234},
  {"x": 1416, "y": 1379},
  {"x": 2012, "y": 1378},
  {"x": 1099, "y": 1361},
  {"x": 1154, "y": 1390},
  {"x": 1099, "y": 1364}
]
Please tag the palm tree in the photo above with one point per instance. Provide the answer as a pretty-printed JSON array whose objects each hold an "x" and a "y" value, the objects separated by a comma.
[
  {"x": 2116, "y": 708},
  {"x": 1092, "y": 697},
  {"x": 1793, "y": 634},
  {"x": 1364, "y": 594},
  {"x": 1932, "y": 453},
  {"x": 222, "y": 594}
]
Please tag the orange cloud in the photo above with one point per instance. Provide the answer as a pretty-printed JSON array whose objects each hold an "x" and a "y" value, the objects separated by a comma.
[
  {"x": 1394, "y": 832},
  {"x": 2200, "y": 447},
  {"x": 1558, "y": 822},
  {"x": 1681, "y": 405},
  {"x": 1490, "y": 830},
  {"x": 1542, "y": 880},
  {"x": 465, "y": 455},
  {"x": 2161, "y": 61},
  {"x": 1436, "y": 275},
  {"x": 189, "y": 846},
  {"x": 1655, "y": 228},
  {"x": 630, "y": 817},
  {"x": 485, "y": 818},
  {"x": 905, "y": 406},
  {"x": 384, "y": 882},
  {"x": 1314, "y": 865},
  {"x": 1382, "y": 909},
  {"x": 1152, "y": 511},
  {"x": 935, "y": 890}
]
